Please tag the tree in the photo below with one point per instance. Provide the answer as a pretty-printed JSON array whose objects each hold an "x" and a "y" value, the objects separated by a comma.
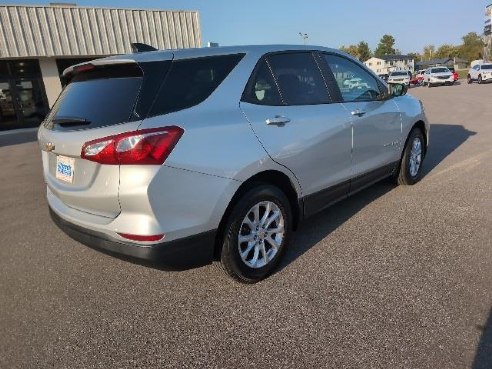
[
  {"x": 472, "y": 47},
  {"x": 429, "y": 52},
  {"x": 446, "y": 51},
  {"x": 363, "y": 51},
  {"x": 415, "y": 56},
  {"x": 385, "y": 46},
  {"x": 351, "y": 49}
]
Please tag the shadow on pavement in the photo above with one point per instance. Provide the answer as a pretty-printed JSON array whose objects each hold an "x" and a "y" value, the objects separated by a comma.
[
  {"x": 483, "y": 357},
  {"x": 18, "y": 138},
  {"x": 444, "y": 139}
]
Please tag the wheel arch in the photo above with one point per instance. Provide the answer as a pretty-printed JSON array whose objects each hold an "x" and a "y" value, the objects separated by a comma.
[
  {"x": 420, "y": 125},
  {"x": 270, "y": 177}
]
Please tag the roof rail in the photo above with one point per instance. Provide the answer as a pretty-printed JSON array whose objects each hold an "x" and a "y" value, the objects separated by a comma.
[{"x": 139, "y": 47}]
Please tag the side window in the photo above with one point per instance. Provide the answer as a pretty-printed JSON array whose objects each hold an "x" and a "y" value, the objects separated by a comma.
[
  {"x": 476, "y": 67},
  {"x": 355, "y": 83},
  {"x": 299, "y": 78},
  {"x": 191, "y": 81},
  {"x": 261, "y": 88}
]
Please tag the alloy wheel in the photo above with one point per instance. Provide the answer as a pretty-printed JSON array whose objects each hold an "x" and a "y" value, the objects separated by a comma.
[
  {"x": 261, "y": 234},
  {"x": 415, "y": 156}
]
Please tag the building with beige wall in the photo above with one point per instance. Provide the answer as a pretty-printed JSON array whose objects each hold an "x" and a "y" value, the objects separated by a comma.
[
  {"x": 388, "y": 63},
  {"x": 38, "y": 42}
]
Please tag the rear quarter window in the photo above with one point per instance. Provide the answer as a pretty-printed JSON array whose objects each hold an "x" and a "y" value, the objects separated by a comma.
[{"x": 189, "y": 82}]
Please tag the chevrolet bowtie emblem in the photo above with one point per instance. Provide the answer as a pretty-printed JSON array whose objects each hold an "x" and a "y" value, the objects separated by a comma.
[{"x": 49, "y": 146}]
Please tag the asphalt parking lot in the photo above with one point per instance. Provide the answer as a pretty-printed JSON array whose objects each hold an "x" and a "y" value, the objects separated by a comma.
[{"x": 394, "y": 277}]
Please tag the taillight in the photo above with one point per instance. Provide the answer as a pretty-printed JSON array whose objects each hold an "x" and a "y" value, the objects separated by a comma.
[
  {"x": 147, "y": 146},
  {"x": 84, "y": 68}
]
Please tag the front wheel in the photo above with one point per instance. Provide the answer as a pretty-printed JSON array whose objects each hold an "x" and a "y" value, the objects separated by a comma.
[
  {"x": 479, "y": 80},
  {"x": 256, "y": 234},
  {"x": 469, "y": 79},
  {"x": 410, "y": 171}
]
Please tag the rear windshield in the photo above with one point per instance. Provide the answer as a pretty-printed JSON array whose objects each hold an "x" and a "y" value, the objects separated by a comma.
[
  {"x": 100, "y": 97},
  {"x": 487, "y": 66}
]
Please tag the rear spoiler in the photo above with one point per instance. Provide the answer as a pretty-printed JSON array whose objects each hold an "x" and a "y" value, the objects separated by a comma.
[
  {"x": 139, "y": 47},
  {"x": 94, "y": 63}
]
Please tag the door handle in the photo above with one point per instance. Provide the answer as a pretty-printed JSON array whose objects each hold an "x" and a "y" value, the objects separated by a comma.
[
  {"x": 278, "y": 120},
  {"x": 358, "y": 113}
]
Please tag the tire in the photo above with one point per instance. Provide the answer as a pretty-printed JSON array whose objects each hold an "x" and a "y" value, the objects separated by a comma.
[
  {"x": 429, "y": 84},
  {"x": 479, "y": 80},
  {"x": 407, "y": 175},
  {"x": 469, "y": 79},
  {"x": 244, "y": 268}
]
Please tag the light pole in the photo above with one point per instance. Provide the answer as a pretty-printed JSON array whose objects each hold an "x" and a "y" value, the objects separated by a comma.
[{"x": 304, "y": 36}]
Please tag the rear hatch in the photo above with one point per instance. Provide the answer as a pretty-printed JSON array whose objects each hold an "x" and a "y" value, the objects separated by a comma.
[{"x": 101, "y": 98}]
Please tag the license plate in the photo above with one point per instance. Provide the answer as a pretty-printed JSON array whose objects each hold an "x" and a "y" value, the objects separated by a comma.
[{"x": 64, "y": 168}]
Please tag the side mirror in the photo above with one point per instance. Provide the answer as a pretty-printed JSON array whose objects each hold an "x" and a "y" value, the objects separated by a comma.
[{"x": 397, "y": 89}]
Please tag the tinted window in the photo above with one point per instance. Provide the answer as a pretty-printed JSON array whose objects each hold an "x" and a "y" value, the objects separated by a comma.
[
  {"x": 261, "y": 88},
  {"x": 439, "y": 70},
  {"x": 103, "y": 96},
  {"x": 191, "y": 81},
  {"x": 355, "y": 83},
  {"x": 299, "y": 79},
  {"x": 487, "y": 66}
]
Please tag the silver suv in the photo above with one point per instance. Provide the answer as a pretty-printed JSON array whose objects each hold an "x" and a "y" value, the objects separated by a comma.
[
  {"x": 438, "y": 76},
  {"x": 189, "y": 156}
]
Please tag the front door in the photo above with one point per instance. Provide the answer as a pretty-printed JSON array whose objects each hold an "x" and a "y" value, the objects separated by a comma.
[
  {"x": 290, "y": 111},
  {"x": 376, "y": 124}
]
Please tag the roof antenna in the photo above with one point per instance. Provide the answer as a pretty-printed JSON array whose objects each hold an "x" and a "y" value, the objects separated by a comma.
[{"x": 139, "y": 47}]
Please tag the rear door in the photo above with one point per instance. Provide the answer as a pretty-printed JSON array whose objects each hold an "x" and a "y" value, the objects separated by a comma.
[
  {"x": 291, "y": 112},
  {"x": 100, "y": 100}
]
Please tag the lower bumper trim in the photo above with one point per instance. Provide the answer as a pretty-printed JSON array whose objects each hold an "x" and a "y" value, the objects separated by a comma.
[{"x": 185, "y": 253}]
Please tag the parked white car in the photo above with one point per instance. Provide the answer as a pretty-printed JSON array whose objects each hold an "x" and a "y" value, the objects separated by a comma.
[
  {"x": 480, "y": 73},
  {"x": 438, "y": 76},
  {"x": 400, "y": 76},
  {"x": 355, "y": 83}
]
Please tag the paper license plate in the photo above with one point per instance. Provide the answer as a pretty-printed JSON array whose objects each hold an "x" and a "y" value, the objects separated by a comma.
[{"x": 65, "y": 168}]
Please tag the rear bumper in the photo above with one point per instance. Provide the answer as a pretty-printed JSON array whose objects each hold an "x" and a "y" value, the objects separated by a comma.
[{"x": 179, "y": 254}]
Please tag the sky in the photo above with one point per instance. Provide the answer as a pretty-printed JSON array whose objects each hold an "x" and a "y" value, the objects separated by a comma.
[{"x": 329, "y": 23}]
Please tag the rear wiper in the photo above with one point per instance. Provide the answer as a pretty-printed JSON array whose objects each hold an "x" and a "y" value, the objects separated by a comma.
[{"x": 71, "y": 121}]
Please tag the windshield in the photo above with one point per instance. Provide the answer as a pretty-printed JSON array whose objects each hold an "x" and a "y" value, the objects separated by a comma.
[
  {"x": 440, "y": 70},
  {"x": 487, "y": 66}
]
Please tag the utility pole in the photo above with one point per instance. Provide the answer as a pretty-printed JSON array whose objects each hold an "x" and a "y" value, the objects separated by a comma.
[{"x": 304, "y": 36}]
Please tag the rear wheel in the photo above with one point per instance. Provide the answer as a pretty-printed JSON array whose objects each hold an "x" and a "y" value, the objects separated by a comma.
[
  {"x": 429, "y": 84},
  {"x": 256, "y": 235},
  {"x": 479, "y": 80},
  {"x": 410, "y": 171}
]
